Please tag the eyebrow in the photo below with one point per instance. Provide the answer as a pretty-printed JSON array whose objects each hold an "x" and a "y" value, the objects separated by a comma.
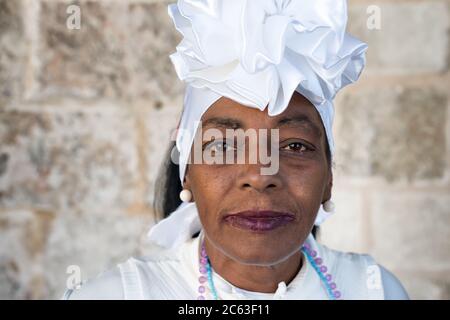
[
  {"x": 225, "y": 123},
  {"x": 296, "y": 121},
  {"x": 301, "y": 121}
]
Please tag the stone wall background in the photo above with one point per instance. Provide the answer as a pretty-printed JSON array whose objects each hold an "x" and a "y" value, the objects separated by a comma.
[{"x": 86, "y": 115}]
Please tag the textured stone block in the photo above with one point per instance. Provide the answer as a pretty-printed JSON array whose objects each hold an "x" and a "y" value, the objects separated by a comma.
[
  {"x": 397, "y": 133},
  {"x": 121, "y": 51},
  {"x": 12, "y": 52},
  {"x": 411, "y": 230},
  {"x": 152, "y": 39},
  {"x": 412, "y": 38},
  {"x": 86, "y": 62},
  {"x": 23, "y": 236},
  {"x": 68, "y": 159}
]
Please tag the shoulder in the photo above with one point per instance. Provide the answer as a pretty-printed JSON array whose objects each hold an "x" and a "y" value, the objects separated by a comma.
[
  {"x": 106, "y": 286},
  {"x": 393, "y": 289},
  {"x": 363, "y": 268}
]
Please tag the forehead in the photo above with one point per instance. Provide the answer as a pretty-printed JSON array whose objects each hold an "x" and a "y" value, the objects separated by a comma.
[{"x": 229, "y": 113}]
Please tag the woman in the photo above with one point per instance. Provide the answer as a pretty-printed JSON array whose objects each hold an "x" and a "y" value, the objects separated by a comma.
[{"x": 254, "y": 147}]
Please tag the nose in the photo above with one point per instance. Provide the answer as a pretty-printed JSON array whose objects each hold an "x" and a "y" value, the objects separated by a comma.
[{"x": 251, "y": 178}]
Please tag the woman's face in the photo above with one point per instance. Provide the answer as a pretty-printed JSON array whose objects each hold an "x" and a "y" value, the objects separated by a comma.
[{"x": 291, "y": 197}]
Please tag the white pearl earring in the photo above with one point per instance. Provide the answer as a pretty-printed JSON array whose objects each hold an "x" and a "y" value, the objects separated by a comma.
[
  {"x": 185, "y": 195},
  {"x": 328, "y": 206}
]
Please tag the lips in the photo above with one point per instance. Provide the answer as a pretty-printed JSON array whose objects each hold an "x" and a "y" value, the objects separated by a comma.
[{"x": 259, "y": 221}]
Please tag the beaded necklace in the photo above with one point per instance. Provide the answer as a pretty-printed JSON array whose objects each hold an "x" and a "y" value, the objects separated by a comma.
[{"x": 311, "y": 255}]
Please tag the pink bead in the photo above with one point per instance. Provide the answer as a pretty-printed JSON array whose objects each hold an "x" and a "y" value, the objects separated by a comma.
[
  {"x": 323, "y": 269},
  {"x": 202, "y": 269},
  {"x": 203, "y": 254},
  {"x": 203, "y": 260},
  {"x": 307, "y": 246},
  {"x": 328, "y": 277},
  {"x": 337, "y": 294},
  {"x": 200, "y": 298},
  {"x": 333, "y": 285},
  {"x": 201, "y": 289},
  {"x": 202, "y": 279},
  {"x": 313, "y": 253},
  {"x": 318, "y": 261}
]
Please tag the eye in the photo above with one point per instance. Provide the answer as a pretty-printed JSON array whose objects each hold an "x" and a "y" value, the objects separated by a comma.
[
  {"x": 219, "y": 146},
  {"x": 296, "y": 147}
]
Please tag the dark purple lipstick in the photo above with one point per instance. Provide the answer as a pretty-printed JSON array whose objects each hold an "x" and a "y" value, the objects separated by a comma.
[{"x": 259, "y": 221}]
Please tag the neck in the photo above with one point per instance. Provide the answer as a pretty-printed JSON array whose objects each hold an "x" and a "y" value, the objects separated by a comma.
[{"x": 253, "y": 277}]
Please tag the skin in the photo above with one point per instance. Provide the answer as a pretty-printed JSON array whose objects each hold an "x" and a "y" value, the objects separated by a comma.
[{"x": 258, "y": 261}]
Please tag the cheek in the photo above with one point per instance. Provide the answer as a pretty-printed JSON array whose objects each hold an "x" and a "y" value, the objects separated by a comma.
[
  {"x": 306, "y": 184},
  {"x": 208, "y": 186}
]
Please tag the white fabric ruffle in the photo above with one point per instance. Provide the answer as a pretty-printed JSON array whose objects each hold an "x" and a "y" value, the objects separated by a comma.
[{"x": 260, "y": 51}]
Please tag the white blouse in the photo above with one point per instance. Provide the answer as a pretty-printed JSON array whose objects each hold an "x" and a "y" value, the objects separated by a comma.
[{"x": 173, "y": 274}]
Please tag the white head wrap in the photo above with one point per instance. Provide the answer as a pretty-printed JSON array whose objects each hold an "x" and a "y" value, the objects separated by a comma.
[{"x": 256, "y": 52}]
